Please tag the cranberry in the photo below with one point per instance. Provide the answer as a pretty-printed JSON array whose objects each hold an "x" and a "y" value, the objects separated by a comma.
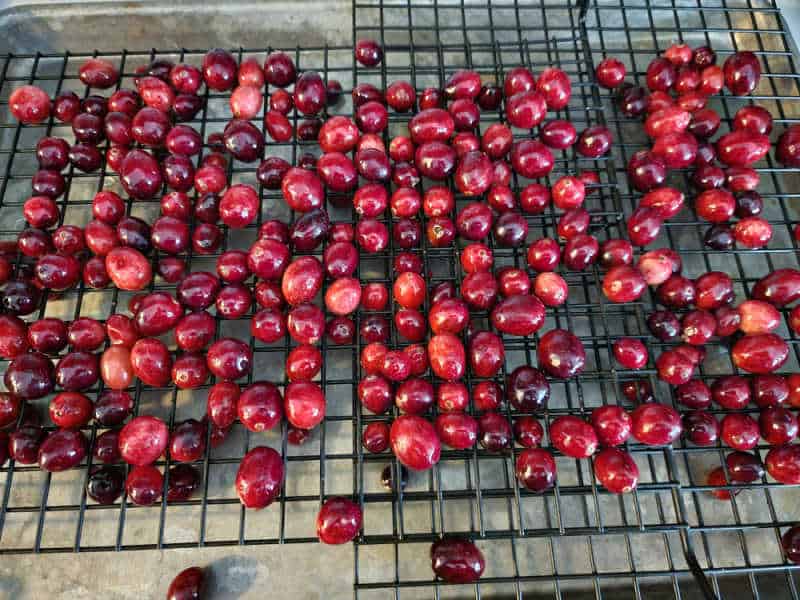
[
  {"x": 714, "y": 289},
  {"x": 623, "y": 284},
  {"x": 594, "y": 142},
  {"x": 143, "y": 440},
  {"x": 29, "y": 104},
  {"x": 512, "y": 281},
  {"x": 740, "y": 431},
  {"x": 783, "y": 464},
  {"x": 151, "y": 362},
  {"x": 304, "y": 404},
  {"x": 780, "y": 287},
  {"x": 788, "y": 147},
  {"x": 678, "y": 150},
  {"x": 656, "y": 424},
  {"x": 61, "y": 450},
  {"x": 531, "y": 159},
  {"x": 30, "y": 376},
  {"x": 518, "y": 315},
  {"x": 610, "y": 73},
  {"x": 375, "y": 437},
  {"x": 704, "y": 124},
  {"x": 633, "y": 101},
  {"x": 561, "y": 354},
  {"x": 534, "y": 198},
  {"x": 260, "y": 407},
  {"x": 260, "y": 477},
  {"x": 778, "y": 426},
  {"x": 616, "y": 470},
  {"x": 760, "y": 353},
  {"x": 770, "y": 390},
  {"x": 495, "y": 432},
  {"x": 742, "y": 73},
  {"x": 457, "y": 430},
  {"x": 112, "y": 407},
  {"x": 105, "y": 484},
  {"x": 573, "y": 437},
  {"x": 338, "y": 521},
  {"x": 415, "y": 442},
  {"x": 630, "y": 353},
  {"x": 20, "y": 297},
  {"x": 65, "y": 106},
  {"x": 612, "y": 424},
  {"x": 535, "y": 469}
]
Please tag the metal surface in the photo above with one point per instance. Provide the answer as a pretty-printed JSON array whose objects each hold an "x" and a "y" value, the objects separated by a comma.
[{"x": 576, "y": 541}]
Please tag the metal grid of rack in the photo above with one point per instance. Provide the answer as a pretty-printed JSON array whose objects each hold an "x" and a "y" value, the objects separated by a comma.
[{"x": 575, "y": 541}]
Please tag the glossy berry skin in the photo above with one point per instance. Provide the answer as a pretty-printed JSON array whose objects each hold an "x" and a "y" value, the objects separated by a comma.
[
  {"x": 573, "y": 437},
  {"x": 783, "y": 464},
  {"x": 612, "y": 424},
  {"x": 778, "y": 426},
  {"x": 594, "y": 141},
  {"x": 189, "y": 584},
  {"x": 561, "y": 354},
  {"x": 791, "y": 544},
  {"x": 760, "y": 353},
  {"x": 521, "y": 315},
  {"x": 656, "y": 424},
  {"x": 701, "y": 428},
  {"x": 304, "y": 404},
  {"x": 30, "y": 376},
  {"x": 616, "y": 470},
  {"x": 415, "y": 442},
  {"x": 457, "y": 560},
  {"x": 610, "y": 73},
  {"x": 338, "y": 521},
  {"x": 623, "y": 284},
  {"x": 457, "y": 430},
  {"x": 740, "y": 431},
  {"x": 144, "y": 485},
  {"x": 375, "y": 437},
  {"x": 260, "y": 477},
  {"x": 630, "y": 353},
  {"x": 61, "y": 450},
  {"x": 742, "y": 72},
  {"x": 29, "y": 104},
  {"x": 527, "y": 389},
  {"x": 447, "y": 356},
  {"x": 143, "y": 440},
  {"x": 535, "y": 469},
  {"x": 260, "y": 407}
]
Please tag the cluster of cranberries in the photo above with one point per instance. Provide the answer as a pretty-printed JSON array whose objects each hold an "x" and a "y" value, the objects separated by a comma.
[
  {"x": 277, "y": 280},
  {"x": 681, "y": 127}
]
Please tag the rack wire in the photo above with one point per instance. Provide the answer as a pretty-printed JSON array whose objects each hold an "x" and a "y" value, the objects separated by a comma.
[{"x": 577, "y": 540}]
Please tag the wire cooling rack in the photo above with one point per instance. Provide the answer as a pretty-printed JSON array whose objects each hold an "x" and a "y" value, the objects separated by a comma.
[{"x": 576, "y": 541}]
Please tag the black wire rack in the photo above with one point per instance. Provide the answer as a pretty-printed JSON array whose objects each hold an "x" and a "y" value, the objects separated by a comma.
[{"x": 576, "y": 541}]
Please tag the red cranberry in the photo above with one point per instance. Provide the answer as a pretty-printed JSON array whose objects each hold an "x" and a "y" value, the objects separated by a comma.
[
  {"x": 535, "y": 469},
  {"x": 594, "y": 142},
  {"x": 561, "y": 354},
  {"x": 612, "y": 424},
  {"x": 531, "y": 159},
  {"x": 338, "y": 521},
  {"x": 260, "y": 477},
  {"x": 573, "y": 437},
  {"x": 742, "y": 73},
  {"x": 630, "y": 353},
  {"x": 714, "y": 289},
  {"x": 610, "y": 73},
  {"x": 456, "y": 560},
  {"x": 783, "y": 464},
  {"x": 415, "y": 442},
  {"x": 623, "y": 284},
  {"x": 760, "y": 353},
  {"x": 616, "y": 470},
  {"x": 518, "y": 315},
  {"x": 143, "y": 440},
  {"x": 656, "y": 424}
]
